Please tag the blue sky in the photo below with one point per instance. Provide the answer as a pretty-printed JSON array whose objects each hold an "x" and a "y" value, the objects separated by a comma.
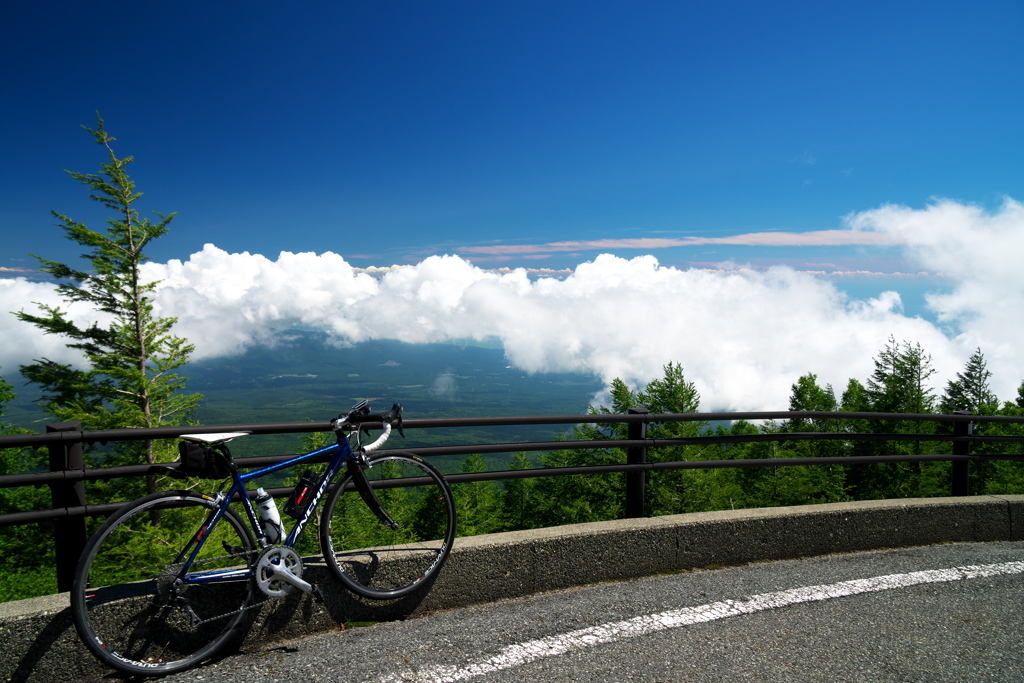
[
  {"x": 391, "y": 131},
  {"x": 527, "y": 134}
]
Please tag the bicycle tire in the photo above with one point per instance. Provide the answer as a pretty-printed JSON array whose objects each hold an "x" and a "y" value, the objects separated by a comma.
[
  {"x": 125, "y": 607},
  {"x": 380, "y": 563}
]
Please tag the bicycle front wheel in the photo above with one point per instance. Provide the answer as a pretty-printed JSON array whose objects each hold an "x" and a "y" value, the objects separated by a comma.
[
  {"x": 378, "y": 562},
  {"x": 129, "y": 606}
]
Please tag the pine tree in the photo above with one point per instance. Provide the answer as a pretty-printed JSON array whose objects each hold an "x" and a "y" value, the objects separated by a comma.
[
  {"x": 899, "y": 384},
  {"x": 572, "y": 499},
  {"x": 970, "y": 390},
  {"x": 796, "y": 485},
  {"x": 675, "y": 491},
  {"x": 128, "y": 379},
  {"x": 807, "y": 395},
  {"x": 518, "y": 498},
  {"x": 477, "y": 502}
]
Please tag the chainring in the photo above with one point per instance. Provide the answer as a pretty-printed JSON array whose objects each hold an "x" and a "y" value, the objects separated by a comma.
[{"x": 266, "y": 569}]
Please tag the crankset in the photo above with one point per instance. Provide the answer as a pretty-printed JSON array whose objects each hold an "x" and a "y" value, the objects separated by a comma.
[{"x": 279, "y": 572}]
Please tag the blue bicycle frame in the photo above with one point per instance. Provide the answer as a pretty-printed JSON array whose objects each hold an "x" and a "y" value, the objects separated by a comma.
[{"x": 341, "y": 453}]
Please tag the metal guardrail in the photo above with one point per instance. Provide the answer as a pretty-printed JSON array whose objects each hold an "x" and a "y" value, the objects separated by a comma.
[{"x": 67, "y": 473}]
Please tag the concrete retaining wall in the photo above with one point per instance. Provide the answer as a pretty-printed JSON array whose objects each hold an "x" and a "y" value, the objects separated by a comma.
[{"x": 40, "y": 643}]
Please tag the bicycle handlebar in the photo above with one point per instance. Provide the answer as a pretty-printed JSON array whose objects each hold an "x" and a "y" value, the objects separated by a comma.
[
  {"x": 360, "y": 414},
  {"x": 380, "y": 439}
]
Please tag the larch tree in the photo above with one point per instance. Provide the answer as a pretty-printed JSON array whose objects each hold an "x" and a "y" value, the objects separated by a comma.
[
  {"x": 970, "y": 390},
  {"x": 127, "y": 377}
]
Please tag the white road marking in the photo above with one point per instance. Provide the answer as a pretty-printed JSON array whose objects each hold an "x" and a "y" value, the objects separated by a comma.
[{"x": 551, "y": 646}]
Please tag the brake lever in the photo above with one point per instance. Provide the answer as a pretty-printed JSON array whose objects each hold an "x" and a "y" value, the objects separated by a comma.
[
  {"x": 362, "y": 410},
  {"x": 394, "y": 416}
]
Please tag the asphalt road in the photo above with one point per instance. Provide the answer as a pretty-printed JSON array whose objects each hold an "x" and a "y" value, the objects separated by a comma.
[{"x": 820, "y": 619}]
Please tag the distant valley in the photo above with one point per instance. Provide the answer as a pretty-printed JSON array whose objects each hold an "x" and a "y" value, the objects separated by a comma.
[{"x": 304, "y": 378}]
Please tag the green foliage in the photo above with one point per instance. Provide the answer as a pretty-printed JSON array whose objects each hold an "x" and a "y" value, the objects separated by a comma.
[
  {"x": 970, "y": 390},
  {"x": 807, "y": 395},
  {"x": 587, "y": 498},
  {"x": 129, "y": 378},
  {"x": 417, "y": 509},
  {"x": 579, "y": 498},
  {"x": 801, "y": 484},
  {"x": 519, "y": 499},
  {"x": 476, "y": 503},
  {"x": 899, "y": 383},
  {"x": 27, "y": 548},
  {"x": 311, "y": 441}
]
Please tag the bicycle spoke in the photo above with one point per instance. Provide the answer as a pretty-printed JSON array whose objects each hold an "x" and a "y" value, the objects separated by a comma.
[
  {"x": 366, "y": 553},
  {"x": 131, "y": 605}
]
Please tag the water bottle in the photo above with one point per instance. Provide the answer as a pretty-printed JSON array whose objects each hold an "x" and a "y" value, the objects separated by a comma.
[{"x": 269, "y": 516}]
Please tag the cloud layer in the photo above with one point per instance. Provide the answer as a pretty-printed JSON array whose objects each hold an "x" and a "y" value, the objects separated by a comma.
[
  {"x": 743, "y": 336},
  {"x": 817, "y": 238}
]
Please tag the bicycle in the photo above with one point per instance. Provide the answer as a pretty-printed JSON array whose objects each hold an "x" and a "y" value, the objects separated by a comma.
[{"x": 168, "y": 580}]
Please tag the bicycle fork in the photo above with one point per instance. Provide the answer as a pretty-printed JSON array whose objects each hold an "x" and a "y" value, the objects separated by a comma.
[{"x": 355, "y": 470}]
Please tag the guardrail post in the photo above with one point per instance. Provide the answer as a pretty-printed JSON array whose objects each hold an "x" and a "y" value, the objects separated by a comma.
[
  {"x": 961, "y": 479},
  {"x": 636, "y": 481},
  {"x": 68, "y": 532}
]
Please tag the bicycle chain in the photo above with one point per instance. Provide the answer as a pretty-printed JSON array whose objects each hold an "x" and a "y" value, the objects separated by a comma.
[{"x": 254, "y": 605}]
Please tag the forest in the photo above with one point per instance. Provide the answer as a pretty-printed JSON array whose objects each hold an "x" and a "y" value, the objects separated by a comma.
[{"x": 900, "y": 383}]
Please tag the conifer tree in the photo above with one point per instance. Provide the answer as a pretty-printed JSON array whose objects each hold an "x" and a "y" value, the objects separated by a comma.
[
  {"x": 808, "y": 395},
  {"x": 899, "y": 383},
  {"x": 128, "y": 379},
  {"x": 476, "y": 503},
  {"x": 518, "y": 499},
  {"x": 970, "y": 390}
]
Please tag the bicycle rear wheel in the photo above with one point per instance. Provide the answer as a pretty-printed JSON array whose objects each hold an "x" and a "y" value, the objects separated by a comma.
[
  {"x": 127, "y": 606},
  {"x": 373, "y": 560}
]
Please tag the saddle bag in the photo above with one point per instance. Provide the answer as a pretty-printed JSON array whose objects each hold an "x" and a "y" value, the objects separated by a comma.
[{"x": 205, "y": 462}]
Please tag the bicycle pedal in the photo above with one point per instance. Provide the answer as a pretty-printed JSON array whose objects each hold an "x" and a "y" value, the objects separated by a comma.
[{"x": 317, "y": 595}]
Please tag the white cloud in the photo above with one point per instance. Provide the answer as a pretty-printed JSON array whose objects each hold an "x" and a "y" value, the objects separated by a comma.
[
  {"x": 20, "y": 342},
  {"x": 227, "y": 302},
  {"x": 981, "y": 252},
  {"x": 816, "y": 238},
  {"x": 743, "y": 336}
]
